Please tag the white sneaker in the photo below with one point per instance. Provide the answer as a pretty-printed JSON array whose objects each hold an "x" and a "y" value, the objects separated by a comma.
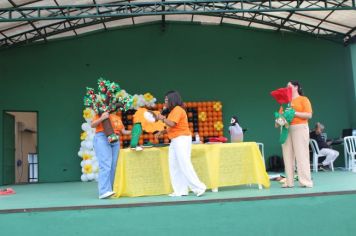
[
  {"x": 200, "y": 192},
  {"x": 106, "y": 195},
  {"x": 215, "y": 190}
]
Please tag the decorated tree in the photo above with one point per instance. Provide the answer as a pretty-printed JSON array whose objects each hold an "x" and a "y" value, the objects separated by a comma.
[{"x": 109, "y": 98}]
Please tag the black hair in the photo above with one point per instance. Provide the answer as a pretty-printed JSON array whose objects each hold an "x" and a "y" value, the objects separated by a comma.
[
  {"x": 174, "y": 99},
  {"x": 296, "y": 83}
]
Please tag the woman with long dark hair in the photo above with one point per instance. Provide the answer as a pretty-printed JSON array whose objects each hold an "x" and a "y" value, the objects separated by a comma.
[
  {"x": 182, "y": 173},
  {"x": 296, "y": 147}
]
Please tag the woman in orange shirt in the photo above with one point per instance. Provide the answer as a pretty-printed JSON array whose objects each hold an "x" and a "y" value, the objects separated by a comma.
[
  {"x": 296, "y": 147},
  {"x": 182, "y": 173},
  {"x": 107, "y": 153}
]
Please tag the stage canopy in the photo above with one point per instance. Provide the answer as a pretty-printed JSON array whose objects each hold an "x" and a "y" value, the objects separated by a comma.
[{"x": 28, "y": 21}]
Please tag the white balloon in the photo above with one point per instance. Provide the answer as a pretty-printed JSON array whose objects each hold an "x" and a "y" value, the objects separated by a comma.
[
  {"x": 82, "y": 144},
  {"x": 89, "y": 145},
  {"x": 91, "y": 176},
  {"x": 85, "y": 126},
  {"x": 84, "y": 178},
  {"x": 80, "y": 153},
  {"x": 90, "y": 137}
]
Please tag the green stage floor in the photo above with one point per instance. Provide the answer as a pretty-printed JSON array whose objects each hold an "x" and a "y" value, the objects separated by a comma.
[{"x": 79, "y": 195}]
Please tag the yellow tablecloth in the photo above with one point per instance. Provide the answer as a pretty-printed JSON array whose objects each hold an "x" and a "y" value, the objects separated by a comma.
[{"x": 217, "y": 165}]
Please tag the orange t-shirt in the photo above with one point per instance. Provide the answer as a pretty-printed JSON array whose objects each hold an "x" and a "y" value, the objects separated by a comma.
[
  {"x": 179, "y": 116},
  {"x": 115, "y": 122},
  {"x": 301, "y": 104}
]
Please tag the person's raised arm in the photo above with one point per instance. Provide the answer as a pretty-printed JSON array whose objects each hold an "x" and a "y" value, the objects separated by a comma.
[
  {"x": 103, "y": 117},
  {"x": 166, "y": 121}
]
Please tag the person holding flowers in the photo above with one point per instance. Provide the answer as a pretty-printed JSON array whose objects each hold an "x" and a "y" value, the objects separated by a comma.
[
  {"x": 108, "y": 125},
  {"x": 107, "y": 153},
  {"x": 293, "y": 118}
]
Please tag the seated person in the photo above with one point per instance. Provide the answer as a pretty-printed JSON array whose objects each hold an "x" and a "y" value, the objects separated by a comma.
[
  {"x": 236, "y": 132},
  {"x": 324, "y": 147}
]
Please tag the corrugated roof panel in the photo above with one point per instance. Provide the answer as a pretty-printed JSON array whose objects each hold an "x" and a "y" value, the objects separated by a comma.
[
  {"x": 262, "y": 26},
  {"x": 347, "y": 18},
  {"x": 5, "y": 4},
  {"x": 18, "y": 30},
  {"x": 91, "y": 28},
  {"x": 102, "y": 1},
  {"x": 268, "y": 19},
  {"x": 41, "y": 3},
  {"x": 6, "y": 25},
  {"x": 334, "y": 27},
  {"x": 279, "y": 14},
  {"x": 235, "y": 21},
  {"x": 311, "y": 4},
  {"x": 74, "y": 2},
  {"x": 145, "y": 19},
  {"x": 207, "y": 19},
  {"x": 43, "y": 23},
  {"x": 317, "y": 14},
  {"x": 62, "y": 35},
  {"x": 180, "y": 17},
  {"x": 118, "y": 23},
  {"x": 24, "y": 2},
  {"x": 339, "y": 21},
  {"x": 305, "y": 19}
]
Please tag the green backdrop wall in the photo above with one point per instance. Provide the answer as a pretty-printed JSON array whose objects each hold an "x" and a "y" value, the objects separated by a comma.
[{"x": 234, "y": 65}]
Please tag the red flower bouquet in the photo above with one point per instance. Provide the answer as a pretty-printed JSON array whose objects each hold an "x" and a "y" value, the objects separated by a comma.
[{"x": 282, "y": 95}]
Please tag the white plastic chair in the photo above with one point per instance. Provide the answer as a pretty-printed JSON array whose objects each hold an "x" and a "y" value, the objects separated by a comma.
[
  {"x": 350, "y": 151},
  {"x": 316, "y": 155}
]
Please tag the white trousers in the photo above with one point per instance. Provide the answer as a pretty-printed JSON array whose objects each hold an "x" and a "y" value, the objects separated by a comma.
[
  {"x": 181, "y": 170},
  {"x": 330, "y": 154}
]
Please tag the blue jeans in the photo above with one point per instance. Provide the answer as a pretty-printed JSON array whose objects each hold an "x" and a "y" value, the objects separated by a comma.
[{"x": 107, "y": 155}]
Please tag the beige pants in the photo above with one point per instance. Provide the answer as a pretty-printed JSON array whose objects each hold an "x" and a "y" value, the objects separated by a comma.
[{"x": 296, "y": 150}]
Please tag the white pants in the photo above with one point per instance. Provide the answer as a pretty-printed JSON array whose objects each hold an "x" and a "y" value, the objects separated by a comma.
[
  {"x": 181, "y": 170},
  {"x": 330, "y": 154}
]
